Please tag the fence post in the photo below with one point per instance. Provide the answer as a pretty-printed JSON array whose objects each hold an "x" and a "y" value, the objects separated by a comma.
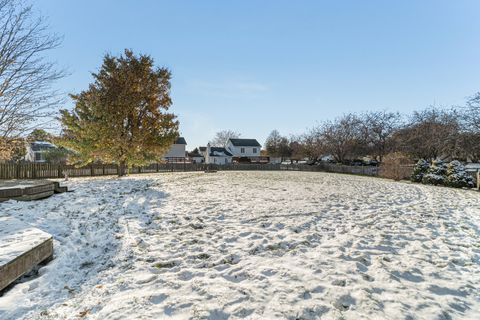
[{"x": 478, "y": 179}]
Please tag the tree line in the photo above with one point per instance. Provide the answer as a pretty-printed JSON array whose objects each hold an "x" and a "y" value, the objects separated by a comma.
[{"x": 431, "y": 133}]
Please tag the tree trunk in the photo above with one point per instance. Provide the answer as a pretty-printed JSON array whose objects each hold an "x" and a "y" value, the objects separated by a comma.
[{"x": 122, "y": 169}]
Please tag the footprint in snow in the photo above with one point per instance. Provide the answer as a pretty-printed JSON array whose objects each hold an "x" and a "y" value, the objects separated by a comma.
[
  {"x": 159, "y": 298},
  {"x": 339, "y": 282},
  {"x": 344, "y": 303}
]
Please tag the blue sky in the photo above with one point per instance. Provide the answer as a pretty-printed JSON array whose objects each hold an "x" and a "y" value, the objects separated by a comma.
[{"x": 254, "y": 66}]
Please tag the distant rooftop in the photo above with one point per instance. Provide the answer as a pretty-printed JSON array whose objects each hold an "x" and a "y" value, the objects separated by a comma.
[
  {"x": 41, "y": 145},
  {"x": 245, "y": 142},
  {"x": 42, "y": 142},
  {"x": 180, "y": 140},
  {"x": 219, "y": 152}
]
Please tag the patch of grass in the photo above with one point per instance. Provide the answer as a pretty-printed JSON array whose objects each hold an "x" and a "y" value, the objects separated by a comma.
[
  {"x": 203, "y": 256},
  {"x": 163, "y": 265}
]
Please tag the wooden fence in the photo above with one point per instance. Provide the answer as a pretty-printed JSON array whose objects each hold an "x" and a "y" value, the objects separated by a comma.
[
  {"x": 48, "y": 170},
  {"x": 335, "y": 168}
]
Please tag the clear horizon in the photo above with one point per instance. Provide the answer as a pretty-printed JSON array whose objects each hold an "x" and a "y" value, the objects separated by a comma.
[{"x": 253, "y": 67}]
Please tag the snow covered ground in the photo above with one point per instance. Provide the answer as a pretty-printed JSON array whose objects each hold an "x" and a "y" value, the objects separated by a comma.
[{"x": 258, "y": 245}]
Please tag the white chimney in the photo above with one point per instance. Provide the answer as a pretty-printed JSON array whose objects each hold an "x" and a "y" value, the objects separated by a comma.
[{"x": 207, "y": 156}]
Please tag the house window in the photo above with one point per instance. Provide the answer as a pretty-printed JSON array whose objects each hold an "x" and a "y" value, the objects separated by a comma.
[
  {"x": 214, "y": 160},
  {"x": 38, "y": 156},
  {"x": 242, "y": 150},
  {"x": 226, "y": 160},
  {"x": 254, "y": 150}
]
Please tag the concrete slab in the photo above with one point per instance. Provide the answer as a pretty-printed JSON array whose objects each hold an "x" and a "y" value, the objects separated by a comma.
[{"x": 22, "y": 247}]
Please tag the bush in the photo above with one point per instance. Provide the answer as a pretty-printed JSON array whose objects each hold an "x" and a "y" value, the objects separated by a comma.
[
  {"x": 395, "y": 166},
  {"x": 420, "y": 169},
  {"x": 436, "y": 174},
  {"x": 457, "y": 177}
]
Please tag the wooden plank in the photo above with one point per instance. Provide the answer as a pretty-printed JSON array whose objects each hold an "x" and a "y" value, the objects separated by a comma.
[
  {"x": 26, "y": 189},
  {"x": 22, "y": 247}
]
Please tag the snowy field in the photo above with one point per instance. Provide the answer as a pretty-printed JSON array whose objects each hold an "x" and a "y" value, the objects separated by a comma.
[{"x": 257, "y": 245}]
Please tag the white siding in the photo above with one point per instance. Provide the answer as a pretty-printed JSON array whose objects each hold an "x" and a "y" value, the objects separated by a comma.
[
  {"x": 198, "y": 159},
  {"x": 220, "y": 160},
  {"x": 30, "y": 155},
  {"x": 248, "y": 151},
  {"x": 176, "y": 151}
]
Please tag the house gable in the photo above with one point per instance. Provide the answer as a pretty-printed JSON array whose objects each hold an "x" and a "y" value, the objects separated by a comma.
[
  {"x": 177, "y": 150},
  {"x": 244, "y": 147}
]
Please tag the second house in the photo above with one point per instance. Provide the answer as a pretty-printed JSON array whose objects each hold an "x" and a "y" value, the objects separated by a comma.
[{"x": 244, "y": 150}]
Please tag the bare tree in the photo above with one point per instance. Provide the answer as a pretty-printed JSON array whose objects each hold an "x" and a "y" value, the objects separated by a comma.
[
  {"x": 343, "y": 138},
  {"x": 26, "y": 77},
  {"x": 469, "y": 146},
  {"x": 471, "y": 114},
  {"x": 379, "y": 128},
  {"x": 313, "y": 144},
  {"x": 469, "y": 138},
  {"x": 221, "y": 138},
  {"x": 431, "y": 133},
  {"x": 297, "y": 147}
]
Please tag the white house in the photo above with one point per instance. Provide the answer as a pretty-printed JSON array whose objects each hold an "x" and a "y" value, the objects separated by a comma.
[
  {"x": 177, "y": 152},
  {"x": 37, "y": 150},
  {"x": 242, "y": 149},
  {"x": 217, "y": 155},
  {"x": 196, "y": 157},
  {"x": 202, "y": 151}
]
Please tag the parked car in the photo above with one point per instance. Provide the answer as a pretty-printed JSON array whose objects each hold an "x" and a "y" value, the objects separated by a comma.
[
  {"x": 372, "y": 163},
  {"x": 357, "y": 162}
]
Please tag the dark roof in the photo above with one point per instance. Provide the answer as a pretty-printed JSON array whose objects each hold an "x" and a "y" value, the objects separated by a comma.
[
  {"x": 202, "y": 149},
  {"x": 213, "y": 150},
  {"x": 180, "y": 140},
  {"x": 41, "y": 145},
  {"x": 245, "y": 142}
]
